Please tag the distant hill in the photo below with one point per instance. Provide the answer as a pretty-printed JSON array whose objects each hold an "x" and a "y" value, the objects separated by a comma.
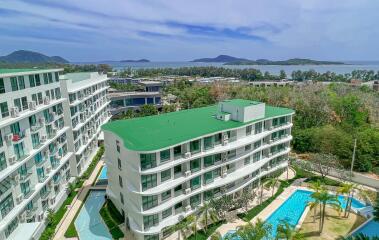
[
  {"x": 136, "y": 61},
  {"x": 24, "y": 56},
  {"x": 220, "y": 59},
  {"x": 292, "y": 61}
]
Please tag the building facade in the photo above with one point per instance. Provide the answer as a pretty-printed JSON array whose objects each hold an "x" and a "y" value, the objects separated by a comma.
[
  {"x": 41, "y": 123},
  {"x": 86, "y": 110},
  {"x": 34, "y": 153},
  {"x": 164, "y": 167}
]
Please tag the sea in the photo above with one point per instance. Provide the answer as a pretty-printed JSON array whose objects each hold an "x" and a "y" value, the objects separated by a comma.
[{"x": 273, "y": 69}]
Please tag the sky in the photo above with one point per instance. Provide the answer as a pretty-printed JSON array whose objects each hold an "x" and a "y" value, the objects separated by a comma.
[{"x": 182, "y": 30}]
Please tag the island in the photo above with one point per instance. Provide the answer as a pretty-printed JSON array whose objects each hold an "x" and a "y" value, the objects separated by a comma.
[{"x": 135, "y": 61}]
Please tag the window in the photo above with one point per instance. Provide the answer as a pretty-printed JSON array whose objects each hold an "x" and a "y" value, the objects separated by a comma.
[
  {"x": 208, "y": 195},
  {"x": 24, "y": 103},
  {"x": 246, "y": 161},
  {"x": 32, "y": 81},
  {"x": 118, "y": 148},
  {"x": 56, "y": 76},
  {"x": 21, "y": 82},
  {"x": 45, "y": 78},
  {"x": 166, "y": 213},
  {"x": 32, "y": 120},
  {"x": 195, "y": 182},
  {"x": 165, "y": 155},
  {"x": 208, "y": 142},
  {"x": 14, "y": 85},
  {"x": 122, "y": 198},
  {"x": 258, "y": 128},
  {"x": 15, "y": 128},
  {"x": 3, "y": 162},
  {"x": 6, "y": 205},
  {"x": 149, "y": 202},
  {"x": 195, "y": 200},
  {"x": 218, "y": 138},
  {"x": 166, "y": 195},
  {"x": 25, "y": 188},
  {"x": 11, "y": 227},
  {"x": 208, "y": 177},
  {"x": 40, "y": 100},
  {"x": 177, "y": 151},
  {"x": 119, "y": 163},
  {"x": 248, "y": 130},
  {"x": 195, "y": 165},
  {"x": 232, "y": 154},
  {"x": 195, "y": 146},
  {"x": 1, "y": 139},
  {"x": 2, "y": 87},
  {"x": 257, "y": 144},
  {"x": 35, "y": 140},
  {"x": 17, "y": 103},
  {"x": 58, "y": 93},
  {"x": 50, "y": 76},
  {"x": 178, "y": 171},
  {"x": 149, "y": 221},
  {"x": 256, "y": 156},
  {"x": 38, "y": 80},
  {"x": 120, "y": 181},
  {"x": 148, "y": 161},
  {"x": 247, "y": 147},
  {"x": 148, "y": 181},
  {"x": 4, "y": 109},
  {"x": 165, "y": 175},
  {"x": 208, "y": 161}
]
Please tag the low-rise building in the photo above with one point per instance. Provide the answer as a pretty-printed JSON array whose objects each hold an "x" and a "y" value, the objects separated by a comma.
[{"x": 164, "y": 167}]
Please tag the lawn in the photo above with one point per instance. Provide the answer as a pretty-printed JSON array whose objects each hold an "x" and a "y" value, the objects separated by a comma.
[{"x": 336, "y": 226}]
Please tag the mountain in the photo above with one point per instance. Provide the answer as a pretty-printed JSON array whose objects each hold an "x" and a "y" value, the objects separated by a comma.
[
  {"x": 24, "y": 56},
  {"x": 292, "y": 61},
  {"x": 136, "y": 61},
  {"x": 220, "y": 59}
]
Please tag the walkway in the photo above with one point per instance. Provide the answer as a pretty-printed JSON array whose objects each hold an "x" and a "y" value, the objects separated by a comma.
[{"x": 76, "y": 203}]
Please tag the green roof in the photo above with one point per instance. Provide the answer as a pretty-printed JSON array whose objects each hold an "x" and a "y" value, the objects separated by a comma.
[
  {"x": 21, "y": 70},
  {"x": 77, "y": 77},
  {"x": 164, "y": 130}
]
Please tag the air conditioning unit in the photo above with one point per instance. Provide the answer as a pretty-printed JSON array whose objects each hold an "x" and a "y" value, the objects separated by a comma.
[
  {"x": 34, "y": 128},
  {"x": 187, "y": 155},
  {"x": 16, "y": 178},
  {"x": 224, "y": 143},
  {"x": 41, "y": 120},
  {"x": 22, "y": 217},
  {"x": 43, "y": 138},
  {"x": 224, "y": 174},
  {"x": 32, "y": 105},
  {"x": 187, "y": 191},
  {"x": 270, "y": 128},
  {"x": 46, "y": 101},
  {"x": 270, "y": 154},
  {"x": 12, "y": 159},
  {"x": 188, "y": 208},
  {"x": 187, "y": 173},
  {"x": 224, "y": 157},
  {"x": 48, "y": 169},
  {"x": 14, "y": 112},
  {"x": 271, "y": 141},
  {"x": 225, "y": 136},
  {"x": 19, "y": 198}
]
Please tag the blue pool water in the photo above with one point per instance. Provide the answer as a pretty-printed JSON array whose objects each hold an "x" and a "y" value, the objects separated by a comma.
[
  {"x": 370, "y": 229},
  {"x": 103, "y": 173},
  {"x": 89, "y": 223},
  {"x": 292, "y": 209}
]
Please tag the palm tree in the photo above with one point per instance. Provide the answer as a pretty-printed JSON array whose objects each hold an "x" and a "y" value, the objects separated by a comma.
[
  {"x": 317, "y": 186},
  {"x": 181, "y": 227},
  {"x": 271, "y": 183},
  {"x": 207, "y": 213},
  {"x": 50, "y": 218},
  {"x": 313, "y": 205},
  {"x": 347, "y": 189},
  {"x": 258, "y": 231},
  {"x": 191, "y": 222},
  {"x": 287, "y": 231},
  {"x": 324, "y": 198},
  {"x": 216, "y": 236}
]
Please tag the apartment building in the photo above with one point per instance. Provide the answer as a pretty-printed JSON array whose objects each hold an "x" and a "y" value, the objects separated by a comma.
[
  {"x": 164, "y": 167},
  {"x": 34, "y": 153},
  {"x": 86, "y": 110}
]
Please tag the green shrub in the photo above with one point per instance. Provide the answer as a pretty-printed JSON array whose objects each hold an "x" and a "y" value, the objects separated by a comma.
[
  {"x": 112, "y": 218},
  {"x": 203, "y": 235}
]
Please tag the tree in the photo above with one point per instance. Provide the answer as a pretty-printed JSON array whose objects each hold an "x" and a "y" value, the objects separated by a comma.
[
  {"x": 147, "y": 110},
  {"x": 287, "y": 231},
  {"x": 258, "y": 231},
  {"x": 245, "y": 198},
  {"x": 182, "y": 227},
  {"x": 282, "y": 74},
  {"x": 50, "y": 218},
  {"x": 216, "y": 236},
  {"x": 347, "y": 189},
  {"x": 324, "y": 198},
  {"x": 323, "y": 163},
  {"x": 168, "y": 108},
  {"x": 271, "y": 183},
  {"x": 207, "y": 214}
]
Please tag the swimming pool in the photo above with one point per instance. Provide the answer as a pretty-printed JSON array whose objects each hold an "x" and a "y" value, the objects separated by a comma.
[
  {"x": 371, "y": 229},
  {"x": 293, "y": 208},
  {"x": 89, "y": 224},
  {"x": 103, "y": 173}
]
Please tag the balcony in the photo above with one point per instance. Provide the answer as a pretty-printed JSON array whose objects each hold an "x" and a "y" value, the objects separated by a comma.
[
  {"x": 17, "y": 137},
  {"x": 25, "y": 176},
  {"x": 35, "y": 128},
  {"x": 31, "y": 212},
  {"x": 44, "y": 195}
]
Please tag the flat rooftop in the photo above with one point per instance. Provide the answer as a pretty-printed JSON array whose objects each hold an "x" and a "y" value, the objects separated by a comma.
[
  {"x": 164, "y": 130},
  {"x": 10, "y": 71},
  {"x": 131, "y": 94}
]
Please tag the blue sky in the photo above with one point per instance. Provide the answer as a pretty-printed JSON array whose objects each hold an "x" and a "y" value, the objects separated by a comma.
[{"x": 181, "y": 30}]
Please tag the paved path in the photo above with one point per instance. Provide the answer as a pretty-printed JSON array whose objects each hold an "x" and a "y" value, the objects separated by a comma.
[{"x": 76, "y": 203}]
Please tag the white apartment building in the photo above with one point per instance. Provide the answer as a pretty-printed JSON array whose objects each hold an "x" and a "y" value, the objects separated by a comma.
[
  {"x": 162, "y": 168},
  {"x": 34, "y": 155},
  {"x": 86, "y": 111},
  {"x": 45, "y": 139}
]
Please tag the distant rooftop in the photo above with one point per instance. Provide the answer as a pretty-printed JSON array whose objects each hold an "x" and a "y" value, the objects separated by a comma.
[
  {"x": 241, "y": 102},
  {"x": 24, "y": 70},
  {"x": 164, "y": 130}
]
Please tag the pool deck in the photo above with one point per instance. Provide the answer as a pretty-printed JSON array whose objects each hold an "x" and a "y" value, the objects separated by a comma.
[{"x": 77, "y": 203}]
